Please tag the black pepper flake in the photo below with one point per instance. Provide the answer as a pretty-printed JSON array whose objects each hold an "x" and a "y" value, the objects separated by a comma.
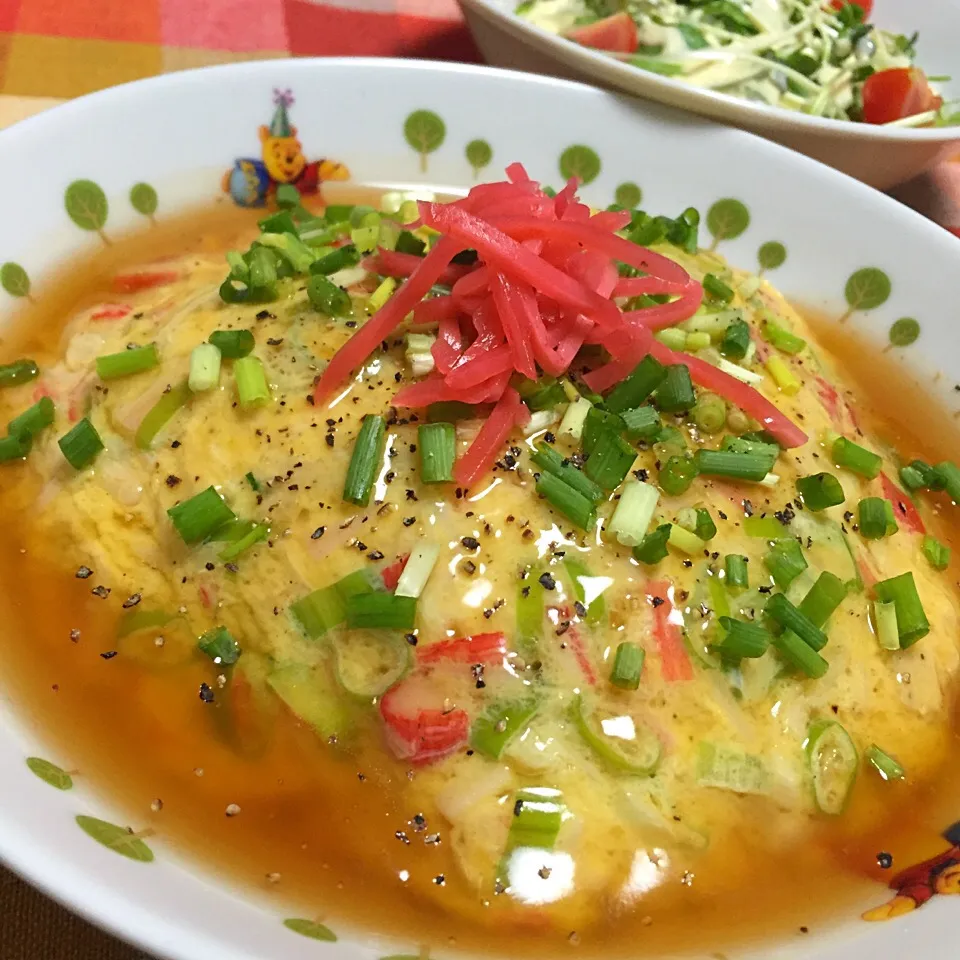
[
  {"x": 75, "y": 635},
  {"x": 409, "y": 521},
  {"x": 109, "y": 655},
  {"x": 657, "y": 601},
  {"x": 580, "y": 608},
  {"x": 884, "y": 860},
  {"x": 804, "y": 929},
  {"x": 747, "y": 508},
  {"x": 641, "y": 475},
  {"x": 330, "y": 439},
  {"x": 517, "y": 808},
  {"x": 411, "y": 495},
  {"x": 688, "y": 563},
  {"x": 361, "y": 546},
  {"x": 266, "y": 315},
  {"x": 83, "y": 573},
  {"x": 232, "y": 567},
  {"x": 477, "y": 669},
  {"x": 210, "y": 566},
  {"x": 131, "y": 601},
  {"x": 101, "y": 591},
  {"x": 402, "y": 837},
  {"x": 411, "y": 638},
  {"x": 172, "y": 480},
  {"x": 547, "y": 581},
  {"x": 419, "y": 822},
  {"x": 440, "y": 880},
  {"x": 469, "y": 567},
  {"x": 374, "y": 555},
  {"x": 206, "y": 694},
  {"x": 274, "y": 341},
  {"x": 176, "y": 444},
  {"x": 471, "y": 543},
  {"x": 721, "y": 515},
  {"x": 764, "y": 589},
  {"x": 318, "y": 533}
]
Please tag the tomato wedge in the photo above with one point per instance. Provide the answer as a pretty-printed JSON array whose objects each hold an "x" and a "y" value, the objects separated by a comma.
[
  {"x": 617, "y": 34},
  {"x": 894, "y": 94}
]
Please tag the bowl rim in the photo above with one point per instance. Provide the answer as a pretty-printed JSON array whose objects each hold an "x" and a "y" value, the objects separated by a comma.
[
  {"x": 756, "y": 113},
  {"x": 77, "y": 885}
]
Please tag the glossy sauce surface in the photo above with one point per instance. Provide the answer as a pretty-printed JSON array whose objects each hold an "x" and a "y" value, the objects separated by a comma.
[{"x": 344, "y": 830}]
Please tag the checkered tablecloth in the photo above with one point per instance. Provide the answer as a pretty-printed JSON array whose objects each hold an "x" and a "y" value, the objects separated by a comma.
[{"x": 64, "y": 48}]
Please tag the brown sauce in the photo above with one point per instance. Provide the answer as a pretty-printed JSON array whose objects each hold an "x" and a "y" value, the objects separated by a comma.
[{"x": 316, "y": 832}]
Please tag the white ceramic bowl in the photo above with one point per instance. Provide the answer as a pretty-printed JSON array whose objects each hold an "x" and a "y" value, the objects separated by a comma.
[
  {"x": 178, "y": 133},
  {"x": 880, "y": 156}
]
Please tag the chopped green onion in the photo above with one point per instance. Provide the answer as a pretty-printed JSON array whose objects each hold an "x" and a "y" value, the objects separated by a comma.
[
  {"x": 697, "y": 341},
  {"x": 287, "y": 196},
  {"x": 833, "y": 763},
  {"x": 409, "y": 243},
  {"x": 81, "y": 444},
  {"x": 233, "y": 344},
  {"x": 709, "y": 413},
  {"x": 823, "y": 598},
  {"x": 716, "y": 289},
  {"x": 819, "y": 491},
  {"x": 675, "y": 394},
  {"x": 736, "y": 339},
  {"x": 220, "y": 646},
  {"x": 729, "y": 768},
  {"x": 20, "y": 371},
  {"x": 610, "y": 461},
  {"x": 328, "y": 298},
  {"x": 280, "y": 222},
  {"x": 339, "y": 259},
  {"x": 785, "y": 561},
  {"x": 569, "y": 501},
  {"x": 653, "y": 548},
  {"x": 326, "y": 608},
  {"x": 674, "y": 338},
  {"x": 547, "y": 458},
  {"x": 949, "y": 476},
  {"x": 726, "y": 463},
  {"x": 769, "y": 528},
  {"x": 936, "y": 553},
  {"x": 251, "y": 380},
  {"x": 742, "y": 445},
  {"x": 29, "y": 423},
  {"x": 379, "y": 610},
  {"x": 704, "y": 528},
  {"x": 740, "y": 373},
  {"x": 642, "y": 423},
  {"x": 782, "y": 338},
  {"x": 685, "y": 541},
  {"x": 912, "y": 623},
  {"x": 262, "y": 276},
  {"x": 627, "y": 666},
  {"x": 204, "y": 367},
  {"x": 381, "y": 295},
  {"x": 367, "y": 451},
  {"x": 646, "y": 377},
  {"x": 530, "y": 594},
  {"x": 744, "y": 639},
  {"x": 544, "y": 394},
  {"x": 492, "y": 731},
  {"x": 800, "y": 655},
  {"x": 437, "y": 449},
  {"x": 290, "y": 248},
  {"x": 884, "y": 764},
  {"x": 574, "y": 418},
  {"x": 200, "y": 516},
  {"x": 417, "y": 570},
  {"x": 537, "y": 818},
  {"x": 852, "y": 456},
  {"x": 735, "y": 571},
  {"x": 782, "y": 375},
  {"x": 677, "y": 474},
  {"x": 872, "y": 517},
  {"x": 15, "y": 446},
  {"x": 633, "y": 513},
  {"x": 450, "y": 411},
  {"x": 127, "y": 362},
  {"x": 258, "y": 532},
  {"x": 918, "y": 475},
  {"x": 157, "y": 417},
  {"x": 780, "y": 609},
  {"x": 623, "y": 742},
  {"x": 885, "y": 623},
  {"x": 253, "y": 481},
  {"x": 587, "y": 589},
  {"x": 598, "y": 424}
]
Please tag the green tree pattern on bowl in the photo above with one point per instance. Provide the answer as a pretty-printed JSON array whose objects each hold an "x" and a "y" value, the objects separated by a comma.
[
  {"x": 50, "y": 773},
  {"x": 425, "y": 131},
  {"x": 14, "y": 279},
  {"x": 310, "y": 928},
  {"x": 479, "y": 153}
]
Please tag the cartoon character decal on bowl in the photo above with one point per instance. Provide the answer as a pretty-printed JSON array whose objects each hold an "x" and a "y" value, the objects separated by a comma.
[
  {"x": 253, "y": 181},
  {"x": 917, "y": 885}
]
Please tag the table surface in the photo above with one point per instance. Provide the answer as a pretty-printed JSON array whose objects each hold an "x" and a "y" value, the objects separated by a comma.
[{"x": 33, "y": 927}]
